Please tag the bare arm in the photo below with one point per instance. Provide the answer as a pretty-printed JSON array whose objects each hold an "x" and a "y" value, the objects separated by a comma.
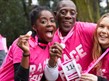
[{"x": 23, "y": 44}]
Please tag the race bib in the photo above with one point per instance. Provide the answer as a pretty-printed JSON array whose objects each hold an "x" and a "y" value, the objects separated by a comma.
[{"x": 71, "y": 70}]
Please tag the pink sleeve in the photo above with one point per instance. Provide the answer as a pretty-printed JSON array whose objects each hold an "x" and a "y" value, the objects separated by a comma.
[
  {"x": 89, "y": 28},
  {"x": 16, "y": 53},
  {"x": 1, "y": 44}
]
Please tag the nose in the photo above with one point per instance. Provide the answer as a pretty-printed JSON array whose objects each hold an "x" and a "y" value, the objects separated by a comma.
[
  {"x": 68, "y": 15},
  {"x": 50, "y": 24}
]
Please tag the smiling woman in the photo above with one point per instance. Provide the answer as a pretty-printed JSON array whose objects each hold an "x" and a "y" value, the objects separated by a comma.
[
  {"x": 28, "y": 54},
  {"x": 103, "y": 33},
  {"x": 101, "y": 44}
]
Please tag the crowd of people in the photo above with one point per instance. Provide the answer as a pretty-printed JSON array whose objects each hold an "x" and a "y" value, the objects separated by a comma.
[{"x": 48, "y": 53}]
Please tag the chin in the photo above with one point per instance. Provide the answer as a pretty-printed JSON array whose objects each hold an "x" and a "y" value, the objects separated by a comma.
[
  {"x": 67, "y": 29},
  {"x": 49, "y": 40},
  {"x": 103, "y": 43}
]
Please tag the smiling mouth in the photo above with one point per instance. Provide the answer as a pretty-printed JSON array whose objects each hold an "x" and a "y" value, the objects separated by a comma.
[
  {"x": 103, "y": 37},
  {"x": 67, "y": 22}
]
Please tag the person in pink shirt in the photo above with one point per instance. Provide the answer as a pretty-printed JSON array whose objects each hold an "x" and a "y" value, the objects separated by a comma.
[
  {"x": 75, "y": 36},
  {"x": 101, "y": 44},
  {"x": 3, "y": 48},
  {"x": 29, "y": 54}
]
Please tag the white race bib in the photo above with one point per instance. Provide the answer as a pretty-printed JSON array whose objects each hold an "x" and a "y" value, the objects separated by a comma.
[{"x": 71, "y": 70}]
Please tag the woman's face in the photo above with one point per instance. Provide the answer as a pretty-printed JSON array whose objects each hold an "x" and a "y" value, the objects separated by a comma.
[
  {"x": 45, "y": 26},
  {"x": 103, "y": 32}
]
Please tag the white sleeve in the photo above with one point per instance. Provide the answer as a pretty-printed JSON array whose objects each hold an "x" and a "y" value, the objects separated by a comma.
[{"x": 51, "y": 74}]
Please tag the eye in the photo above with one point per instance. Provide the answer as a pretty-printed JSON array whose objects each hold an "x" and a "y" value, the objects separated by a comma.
[
  {"x": 52, "y": 20},
  {"x": 72, "y": 12},
  {"x": 43, "y": 21},
  {"x": 63, "y": 12},
  {"x": 101, "y": 26}
]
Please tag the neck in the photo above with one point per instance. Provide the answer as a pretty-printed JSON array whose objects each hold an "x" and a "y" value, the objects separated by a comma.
[
  {"x": 105, "y": 46},
  {"x": 42, "y": 44},
  {"x": 41, "y": 41},
  {"x": 103, "y": 50},
  {"x": 63, "y": 33}
]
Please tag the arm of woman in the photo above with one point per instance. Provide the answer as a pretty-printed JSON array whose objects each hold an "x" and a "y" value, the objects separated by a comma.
[
  {"x": 51, "y": 69},
  {"x": 21, "y": 74},
  {"x": 92, "y": 77},
  {"x": 23, "y": 67},
  {"x": 23, "y": 44}
]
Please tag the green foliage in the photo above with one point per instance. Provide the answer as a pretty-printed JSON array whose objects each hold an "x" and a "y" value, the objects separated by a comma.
[
  {"x": 13, "y": 21},
  {"x": 88, "y": 10},
  {"x": 14, "y": 15}
]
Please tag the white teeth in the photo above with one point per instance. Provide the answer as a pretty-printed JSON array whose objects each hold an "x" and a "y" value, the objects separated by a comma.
[
  {"x": 103, "y": 36},
  {"x": 29, "y": 33},
  {"x": 63, "y": 45}
]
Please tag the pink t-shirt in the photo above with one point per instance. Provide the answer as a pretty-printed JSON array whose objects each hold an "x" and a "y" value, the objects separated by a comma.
[
  {"x": 38, "y": 59},
  {"x": 78, "y": 46},
  {"x": 104, "y": 70},
  {"x": 1, "y": 43}
]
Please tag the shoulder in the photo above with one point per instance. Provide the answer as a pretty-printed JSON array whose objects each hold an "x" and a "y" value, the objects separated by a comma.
[
  {"x": 14, "y": 45},
  {"x": 14, "y": 50},
  {"x": 85, "y": 27},
  {"x": 85, "y": 24}
]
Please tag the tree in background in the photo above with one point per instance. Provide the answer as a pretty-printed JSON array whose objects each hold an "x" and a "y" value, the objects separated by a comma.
[
  {"x": 88, "y": 10},
  {"x": 14, "y": 19}
]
